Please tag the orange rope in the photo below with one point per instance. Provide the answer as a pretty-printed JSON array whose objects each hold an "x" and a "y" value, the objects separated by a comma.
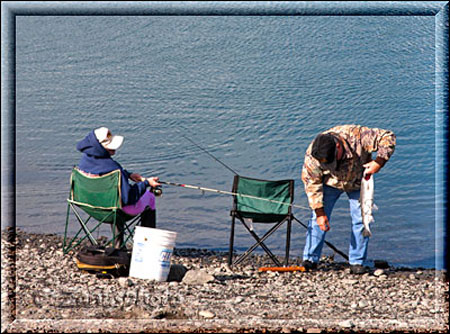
[{"x": 282, "y": 269}]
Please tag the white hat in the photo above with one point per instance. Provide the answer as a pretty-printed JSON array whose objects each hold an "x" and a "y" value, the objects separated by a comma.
[{"x": 107, "y": 140}]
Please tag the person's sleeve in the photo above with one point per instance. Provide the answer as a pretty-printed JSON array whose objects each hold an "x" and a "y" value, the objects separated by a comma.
[
  {"x": 127, "y": 173},
  {"x": 312, "y": 177},
  {"x": 378, "y": 140},
  {"x": 132, "y": 193}
]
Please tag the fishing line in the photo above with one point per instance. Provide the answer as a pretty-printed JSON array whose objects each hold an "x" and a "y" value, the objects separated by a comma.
[
  {"x": 221, "y": 191},
  {"x": 204, "y": 150}
]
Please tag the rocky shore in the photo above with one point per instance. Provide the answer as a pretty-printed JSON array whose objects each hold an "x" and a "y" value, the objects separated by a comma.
[{"x": 50, "y": 294}]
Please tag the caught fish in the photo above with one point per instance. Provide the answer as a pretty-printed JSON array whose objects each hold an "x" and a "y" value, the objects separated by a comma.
[{"x": 366, "y": 202}]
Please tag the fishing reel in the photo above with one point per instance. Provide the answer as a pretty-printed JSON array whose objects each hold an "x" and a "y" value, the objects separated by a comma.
[{"x": 157, "y": 191}]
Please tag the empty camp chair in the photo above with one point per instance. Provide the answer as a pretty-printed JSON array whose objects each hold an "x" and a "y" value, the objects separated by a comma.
[
  {"x": 100, "y": 198},
  {"x": 266, "y": 202}
]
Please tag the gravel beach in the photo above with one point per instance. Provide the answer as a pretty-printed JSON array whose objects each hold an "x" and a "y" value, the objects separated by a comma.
[{"x": 204, "y": 295}]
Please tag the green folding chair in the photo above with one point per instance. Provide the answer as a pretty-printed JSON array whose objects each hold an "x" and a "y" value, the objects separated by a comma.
[
  {"x": 100, "y": 198},
  {"x": 267, "y": 202}
]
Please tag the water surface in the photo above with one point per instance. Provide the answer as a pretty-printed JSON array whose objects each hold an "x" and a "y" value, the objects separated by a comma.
[{"x": 254, "y": 91}]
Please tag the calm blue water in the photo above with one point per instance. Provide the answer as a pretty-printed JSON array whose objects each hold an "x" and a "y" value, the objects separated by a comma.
[{"x": 254, "y": 91}]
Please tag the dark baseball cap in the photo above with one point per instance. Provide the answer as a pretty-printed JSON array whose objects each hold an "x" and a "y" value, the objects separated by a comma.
[{"x": 324, "y": 150}]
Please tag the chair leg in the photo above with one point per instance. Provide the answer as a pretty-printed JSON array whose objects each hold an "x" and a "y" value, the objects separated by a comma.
[
  {"x": 288, "y": 242},
  {"x": 65, "y": 249},
  {"x": 85, "y": 228},
  {"x": 260, "y": 242},
  {"x": 129, "y": 229},
  {"x": 118, "y": 233},
  {"x": 230, "y": 252},
  {"x": 73, "y": 242}
]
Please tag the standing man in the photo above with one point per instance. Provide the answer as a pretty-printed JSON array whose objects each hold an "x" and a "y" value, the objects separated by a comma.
[{"x": 334, "y": 163}]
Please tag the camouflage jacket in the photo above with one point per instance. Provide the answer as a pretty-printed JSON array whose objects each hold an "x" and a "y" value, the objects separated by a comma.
[{"x": 359, "y": 142}]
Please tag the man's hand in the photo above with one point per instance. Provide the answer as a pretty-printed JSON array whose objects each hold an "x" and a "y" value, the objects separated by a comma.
[
  {"x": 322, "y": 220},
  {"x": 374, "y": 166},
  {"x": 323, "y": 223}
]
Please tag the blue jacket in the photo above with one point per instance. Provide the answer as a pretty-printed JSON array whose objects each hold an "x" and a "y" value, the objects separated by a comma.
[{"x": 97, "y": 160}]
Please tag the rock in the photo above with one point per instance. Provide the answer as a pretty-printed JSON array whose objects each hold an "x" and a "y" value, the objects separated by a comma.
[
  {"x": 176, "y": 273},
  {"x": 378, "y": 272},
  {"x": 123, "y": 282},
  {"x": 346, "y": 324},
  {"x": 273, "y": 273},
  {"x": 206, "y": 314},
  {"x": 52, "y": 287},
  {"x": 194, "y": 277},
  {"x": 238, "y": 300},
  {"x": 363, "y": 304},
  {"x": 138, "y": 313}
]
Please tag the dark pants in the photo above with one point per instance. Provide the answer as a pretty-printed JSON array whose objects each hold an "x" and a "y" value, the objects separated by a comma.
[{"x": 148, "y": 219}]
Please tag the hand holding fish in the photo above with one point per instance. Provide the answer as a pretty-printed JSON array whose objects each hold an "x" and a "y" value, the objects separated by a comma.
[
  {"x": 373, "y": 166},
  {"x": 366, "y": 202}
]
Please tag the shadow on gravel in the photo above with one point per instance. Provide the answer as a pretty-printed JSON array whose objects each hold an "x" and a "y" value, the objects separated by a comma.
[{"x": 223, "y": 278}]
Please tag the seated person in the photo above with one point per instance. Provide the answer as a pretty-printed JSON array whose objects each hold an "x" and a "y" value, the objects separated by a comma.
[{"x": 98, "y": 147}]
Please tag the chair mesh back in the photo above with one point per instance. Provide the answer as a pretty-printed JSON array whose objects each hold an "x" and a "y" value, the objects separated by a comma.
[
  {"x": 276, "y": 197},
  {"x": 100, "y": 191}
]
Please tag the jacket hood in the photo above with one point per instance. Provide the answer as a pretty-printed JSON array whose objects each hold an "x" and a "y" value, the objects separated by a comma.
[{"x": 92, "y": 147}]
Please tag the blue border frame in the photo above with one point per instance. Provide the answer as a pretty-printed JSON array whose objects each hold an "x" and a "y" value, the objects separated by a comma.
[{"x": 438, "y": 9}]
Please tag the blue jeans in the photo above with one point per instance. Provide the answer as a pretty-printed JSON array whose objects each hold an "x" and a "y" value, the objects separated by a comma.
[{"x": 315, "y": 237}]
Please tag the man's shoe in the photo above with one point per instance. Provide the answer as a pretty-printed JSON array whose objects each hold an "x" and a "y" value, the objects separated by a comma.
[
  {"x": 308, "y": 265},
  {"x": 357, "y": 269}
]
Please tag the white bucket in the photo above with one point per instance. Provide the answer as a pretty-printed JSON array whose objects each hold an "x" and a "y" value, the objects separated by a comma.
[{"x": 152, "y": 251}]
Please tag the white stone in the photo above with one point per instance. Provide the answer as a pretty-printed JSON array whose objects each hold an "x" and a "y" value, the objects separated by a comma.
[
  {"x": 363, "y": 303},
  {"x": 346, "y": 324},
  {"x": 123, "y": 282},
  {"x": 206, "y": 314},
  {"x": 197, "y": 277},
  {"x": 378, "y": 272}
]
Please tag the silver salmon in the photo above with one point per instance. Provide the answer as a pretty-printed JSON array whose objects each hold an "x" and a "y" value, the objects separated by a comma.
[{"x": 366, "y": 202}]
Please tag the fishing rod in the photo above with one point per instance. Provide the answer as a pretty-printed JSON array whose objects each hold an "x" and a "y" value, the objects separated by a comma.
[
  {"x": 223, "y": 192},
  {"x": 242, "y": 195}
]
